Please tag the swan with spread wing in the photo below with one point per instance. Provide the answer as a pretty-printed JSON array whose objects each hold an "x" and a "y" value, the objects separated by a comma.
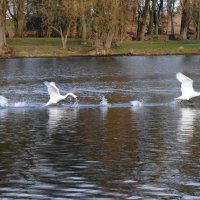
[
  {"x": 55, "y": 95},
  {"x": 187, "y": 89}
]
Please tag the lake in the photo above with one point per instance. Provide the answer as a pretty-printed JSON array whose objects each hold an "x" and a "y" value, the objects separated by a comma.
[{"x": 126, "y": 138}]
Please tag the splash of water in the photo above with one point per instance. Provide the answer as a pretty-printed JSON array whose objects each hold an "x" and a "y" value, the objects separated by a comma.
[
  {"x": 3, "y": 101},
  {"x": 20, "y": 104},
  {"x": 136, "y": 104},
  {"x": 104, "y": 102},
  {"x": 75, "y": 104}
]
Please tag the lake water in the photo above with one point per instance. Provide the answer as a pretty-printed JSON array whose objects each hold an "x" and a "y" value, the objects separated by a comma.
[{"x": 126, "y": 138}]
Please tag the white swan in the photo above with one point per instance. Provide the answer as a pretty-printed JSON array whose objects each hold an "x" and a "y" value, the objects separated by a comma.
[
  {"x": 55, "y": 95},
  {"x": 186, "y": 87}
]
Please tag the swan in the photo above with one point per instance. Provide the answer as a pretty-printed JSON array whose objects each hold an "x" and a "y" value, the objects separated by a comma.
[
  {"x": 186, "y": 88},
  {"x": 55, "y": 95}
]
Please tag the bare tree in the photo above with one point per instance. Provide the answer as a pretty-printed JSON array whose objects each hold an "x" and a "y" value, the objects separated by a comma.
[
  {"x": 48, "y": 10},
  {"x": 58, "y": 16}
]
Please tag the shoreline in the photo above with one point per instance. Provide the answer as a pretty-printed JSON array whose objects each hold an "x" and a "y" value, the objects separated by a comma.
[
  {"x": 51, "y": 48},
  {"x": 108, "y": 55}
]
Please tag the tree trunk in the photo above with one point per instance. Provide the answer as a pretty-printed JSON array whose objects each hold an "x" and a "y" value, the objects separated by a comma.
[
  {"x": 142, "y": 21},
  {"x": 20, "y": 29},
  {"x": 49, "y": 31},
  {"x": 64, "y": 36},
  {"x": 183, "y": 34},
  {"x": 3, "y": 44},
  {"x": 83, "y": 23},
  {"x": 184, "y": 19},
  {"x": 172, "y": 23},
  {"x": 64, "y": 41},
  {"x": 140, "y": 31},
  {"x": 150, "y": 28},
  {"x": 170, "y": 14},
  {"x": 108, "y": 42},
  {"x": 84, "y": 28},
  {"x": 156, "y": 22}
]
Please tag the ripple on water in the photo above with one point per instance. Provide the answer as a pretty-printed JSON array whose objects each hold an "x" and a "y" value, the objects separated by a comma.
[{"x": 143, "y": 141}]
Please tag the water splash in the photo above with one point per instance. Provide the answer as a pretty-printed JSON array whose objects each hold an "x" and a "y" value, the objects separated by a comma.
[
  {"x": 104, "y": 102},
  {"x": 3, "y": 101},
  {"x": 20, "y": 104},
  {"x": 136, "y": 104},
  {"x": 75, "y": 104}
]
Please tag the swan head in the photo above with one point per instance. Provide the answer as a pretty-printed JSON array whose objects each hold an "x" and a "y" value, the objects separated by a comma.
[{"x": 71, "y": 94}]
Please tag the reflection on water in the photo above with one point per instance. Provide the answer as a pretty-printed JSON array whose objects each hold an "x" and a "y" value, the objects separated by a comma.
[
  {"x": 135, "y": 143},
  {"x": 189, "y": 116},
  {"x": 60, "y": 116}
]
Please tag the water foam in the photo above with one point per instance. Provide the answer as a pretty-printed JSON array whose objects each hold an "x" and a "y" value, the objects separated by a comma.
[
  {"x": 104, "y": 102},
  {"x": 20, "y": 104},
  {"x": 75, "y": 105},
  {"x": 136, "y": 104},
  {"x": 3, "y": 101}
]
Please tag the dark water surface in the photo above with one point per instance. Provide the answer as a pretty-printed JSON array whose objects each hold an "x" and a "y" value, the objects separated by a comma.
[{"x": 147, "y": 149}]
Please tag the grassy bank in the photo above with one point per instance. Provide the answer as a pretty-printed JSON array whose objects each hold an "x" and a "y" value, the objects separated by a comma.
[{"x": 52, "y": 47}]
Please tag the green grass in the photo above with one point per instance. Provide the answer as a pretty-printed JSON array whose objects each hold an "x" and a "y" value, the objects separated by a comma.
[
  {"x": 52, "y": 47},
  {"x": 158, "y": 47}
]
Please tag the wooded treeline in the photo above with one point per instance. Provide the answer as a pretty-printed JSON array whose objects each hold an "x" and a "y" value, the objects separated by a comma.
[{"x": 99, "y": 22}]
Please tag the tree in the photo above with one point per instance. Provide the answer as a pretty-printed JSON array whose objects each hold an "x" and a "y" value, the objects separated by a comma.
[
  {"x": 68, "y": 18},
  {"x": 104, "y": 22},
  {"x": 170, "y": 12},
  {"x": 58, "y": 16},
  {"x": 143, "y": 8},
  {"x": 185, "y": 18},
  {"x": 3, "y": 44},
  {"x": 126, "y": 17},
  {"x": 48, "y": 10},
  {"x": 156, "y": 13},
  {"x": 86, "y": 21},
  {"x": 18, "y": 10},
  {"x": 196, "y": 16}
]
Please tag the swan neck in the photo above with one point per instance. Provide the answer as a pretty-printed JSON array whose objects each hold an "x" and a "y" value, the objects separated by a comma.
[{"x": 69, "y": 94}]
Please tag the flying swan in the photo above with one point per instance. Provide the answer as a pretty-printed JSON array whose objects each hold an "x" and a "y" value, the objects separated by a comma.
[
  {"x": 186, "y": 88},
  {"x": 55, "y": 95}
]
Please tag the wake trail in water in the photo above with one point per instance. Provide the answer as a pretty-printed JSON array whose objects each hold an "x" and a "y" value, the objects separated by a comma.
[{"x": 136, "y": 104}]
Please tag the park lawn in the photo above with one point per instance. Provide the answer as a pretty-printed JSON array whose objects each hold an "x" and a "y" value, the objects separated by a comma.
[
  {"x": 46, "y": 47},
  {"x": 52, "y": 47},
  {"x": 157, "y": 47}
]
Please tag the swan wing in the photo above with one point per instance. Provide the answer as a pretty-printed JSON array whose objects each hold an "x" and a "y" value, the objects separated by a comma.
[
  {"x": 186, "y": 84},
  {"x": 52, "y": 89}
]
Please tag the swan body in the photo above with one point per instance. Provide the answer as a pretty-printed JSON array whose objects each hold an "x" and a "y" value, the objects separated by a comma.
[
  {"x": 55, "y": 95},
  {"x": 186, "y": 87}
]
